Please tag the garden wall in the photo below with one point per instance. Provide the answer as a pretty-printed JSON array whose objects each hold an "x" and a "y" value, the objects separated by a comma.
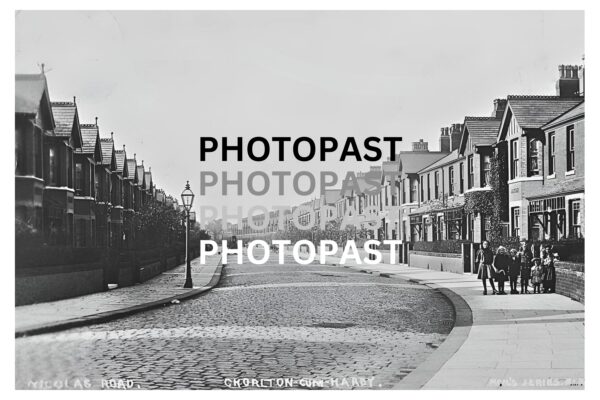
[
  {"x": 570, "y": 280},
  {"x": 448, "y": 262}
]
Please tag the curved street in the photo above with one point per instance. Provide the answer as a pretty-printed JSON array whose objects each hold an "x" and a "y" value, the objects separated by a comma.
[{"x": 263, "y": 326}]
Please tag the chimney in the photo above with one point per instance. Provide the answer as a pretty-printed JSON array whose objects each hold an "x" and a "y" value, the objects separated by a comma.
[
  {"x": 499, "y": 107},
  {"x": 567, "y": 84},
  {"x": 75, "y": 100},
  {"x": 123, "y": 147},
  {"x": 112, "y": 136},
  {"x": 420, "y": 146},
  {"x": 96, "y": 121},
  {"x": 455, "y": 136},
  {"x": 444, "y": 141}
]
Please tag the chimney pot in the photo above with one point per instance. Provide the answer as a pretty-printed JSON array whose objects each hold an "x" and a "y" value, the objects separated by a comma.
[
  {"x": 96, "y": 121},
  {"x": 75, "y": 100}
]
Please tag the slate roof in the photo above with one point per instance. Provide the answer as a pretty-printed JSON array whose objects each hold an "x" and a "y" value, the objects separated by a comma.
[
  {"x": 89, "y": 136},
  {"x": 482, "y": 131},
  {"x": 120, "y": 157},
  {"x": 411, "y": 162},
  {"x": 131, "y": 168},
  {"x": 148, "y": 179},
  {"x": 575, "y": 112},
  {"x": 141, "y": 174},
  {"x": 107, "y": 146},
  {"x": 454, "y": 156},
  {"x": 64, "y": 117},
  {"x": 30, "y": 91},
  {"x": 533, "y": 112},
  {"x": 332, "y": 195}
]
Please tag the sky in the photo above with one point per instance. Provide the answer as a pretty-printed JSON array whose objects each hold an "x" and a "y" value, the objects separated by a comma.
[{"x": 161, "y": 80}]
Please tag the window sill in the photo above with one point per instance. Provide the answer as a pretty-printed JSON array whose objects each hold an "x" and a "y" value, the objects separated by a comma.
[
  {"x": 553, "y": 176},
  {"x": 569, "y": 173}
]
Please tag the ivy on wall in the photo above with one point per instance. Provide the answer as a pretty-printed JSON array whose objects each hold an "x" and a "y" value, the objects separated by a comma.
[{"x": 490, "y": 202}]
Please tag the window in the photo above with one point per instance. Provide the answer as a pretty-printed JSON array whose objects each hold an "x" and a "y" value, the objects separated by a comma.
[
  {"x": 461, "y": 178},
  {"x": 571, "y": 148},
  {"x": 37, "y": 153},
  {"x": 422, "y": 187},
  {"x": 486, "y": 166},
  {"x": 470, "y": 172},
  {"x": 534, "y": 157},
  {"x": 428, "y": 187},
  {"x": 514, "y": 158},
  {"x": 437, "y": 184},
  {"x": 453, "y": 222},
  {"x": 20, "y": 153},
  {"x": 413, "y": 190},
  {"x": 52, "y": 166},
  {"x": 551, "y": 153},
  {"x": 575, "y": 218},
  {"x": 487, "y": 227},
  {"x": 516, "y": 221},
  {"x": 79, "y": 179},
  {"x": 451, "y": 181}
]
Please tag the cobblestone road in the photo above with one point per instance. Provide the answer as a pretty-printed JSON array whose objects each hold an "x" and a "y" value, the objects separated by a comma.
[{"x": 266, "y": 325}]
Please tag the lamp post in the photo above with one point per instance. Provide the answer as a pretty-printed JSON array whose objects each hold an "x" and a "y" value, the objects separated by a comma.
[{"x": 187, "y": 197}]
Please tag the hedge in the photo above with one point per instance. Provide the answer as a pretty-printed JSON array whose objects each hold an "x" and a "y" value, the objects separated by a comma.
[{"x": 444, "y": 246}]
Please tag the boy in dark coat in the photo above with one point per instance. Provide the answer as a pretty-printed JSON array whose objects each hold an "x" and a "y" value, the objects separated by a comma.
[{"x": 514, "y": 270}]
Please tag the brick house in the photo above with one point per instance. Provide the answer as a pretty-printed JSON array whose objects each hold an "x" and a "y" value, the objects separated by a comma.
[
  {"x": 539, "y": 195},
  {"x": 87, "y": 191},
  {"x": 411, "y": 162},
  {"x": 33, "y": 118},
  {"x": 129, "y": 204},
  {"x": 104, "y": 168}
]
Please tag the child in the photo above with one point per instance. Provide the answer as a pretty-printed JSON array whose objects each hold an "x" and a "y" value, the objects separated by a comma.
[
  {"x": 536, "y": 275},
  {"x": 525, "y": 256},
  {"x": 501, "y": 262},
  {"x": 514, "y": 269},
  {"x": 550, "y": 273}
]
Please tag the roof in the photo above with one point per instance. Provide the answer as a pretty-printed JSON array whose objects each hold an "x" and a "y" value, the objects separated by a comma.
[
  {"x": 89, "y": 136},
  {"x": 64, "y": 117},
  {"x": 140, "y": 174},
  {"x": 575, "y": 113},
  {"x": 120, "y": 158},
  {"x": 66, "y": 120},
  {"x": 332, "y": 195},
  {"x": 482, "y": 131},
  {"x": 131, "y": 169},
  {"x": 411, "y": 162},
  {"x": 532, "y": 112},
  {"x": 31, "y": 92},
  {"x": 454, "y": 156},
  {"x": 108, "y": 147},
  {"x": 148, "y": 179}
]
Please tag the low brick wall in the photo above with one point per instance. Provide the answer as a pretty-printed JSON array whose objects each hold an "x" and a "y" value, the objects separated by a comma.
[
  {"x": 448, "y": 262},
  {"x": 36, "y": 285},
  {"x": 149, "y": 271},
  {"x": 570, "y": 280}
]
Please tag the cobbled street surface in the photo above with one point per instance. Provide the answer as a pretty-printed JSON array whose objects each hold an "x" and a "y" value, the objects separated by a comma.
[{"x": 264, "y": 326}]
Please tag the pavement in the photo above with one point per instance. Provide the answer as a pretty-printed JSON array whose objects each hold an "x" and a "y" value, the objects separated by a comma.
[
  {"x": 98, "y": 307},
  {"x": 511, "y": 341}
]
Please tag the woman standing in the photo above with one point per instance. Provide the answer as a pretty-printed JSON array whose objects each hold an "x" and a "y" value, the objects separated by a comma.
[
  {"x": 485, "y": 259},
  {"x": 501, "y": 262}
]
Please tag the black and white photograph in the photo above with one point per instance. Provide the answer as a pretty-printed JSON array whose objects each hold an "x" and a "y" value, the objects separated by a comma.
[{"x": 263, "y": 199}]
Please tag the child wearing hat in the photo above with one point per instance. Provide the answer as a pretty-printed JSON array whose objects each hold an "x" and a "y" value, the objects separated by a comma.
[{"x": 536, "y": 275}]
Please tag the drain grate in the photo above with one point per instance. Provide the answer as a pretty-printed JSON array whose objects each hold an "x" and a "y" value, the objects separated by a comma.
[{"x": 334, "y": 325}]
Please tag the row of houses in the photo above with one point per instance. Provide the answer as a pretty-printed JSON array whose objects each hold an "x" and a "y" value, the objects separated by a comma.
[
  {"x": 73, "y": 186},
  {"x": 533, "y": 146}
]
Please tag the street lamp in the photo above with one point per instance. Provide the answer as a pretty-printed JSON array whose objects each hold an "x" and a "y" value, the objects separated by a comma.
[{"x": 187, "y": 197}]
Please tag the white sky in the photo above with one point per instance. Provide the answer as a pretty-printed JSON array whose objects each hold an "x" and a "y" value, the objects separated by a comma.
[{"x": 160, "y": 80}]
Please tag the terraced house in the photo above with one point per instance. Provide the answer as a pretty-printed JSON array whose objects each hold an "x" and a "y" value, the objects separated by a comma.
[{"x": 75, "y": 197}]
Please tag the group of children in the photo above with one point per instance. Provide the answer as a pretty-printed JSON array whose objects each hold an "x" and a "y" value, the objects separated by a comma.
[{"x": 539, "y": 272}]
